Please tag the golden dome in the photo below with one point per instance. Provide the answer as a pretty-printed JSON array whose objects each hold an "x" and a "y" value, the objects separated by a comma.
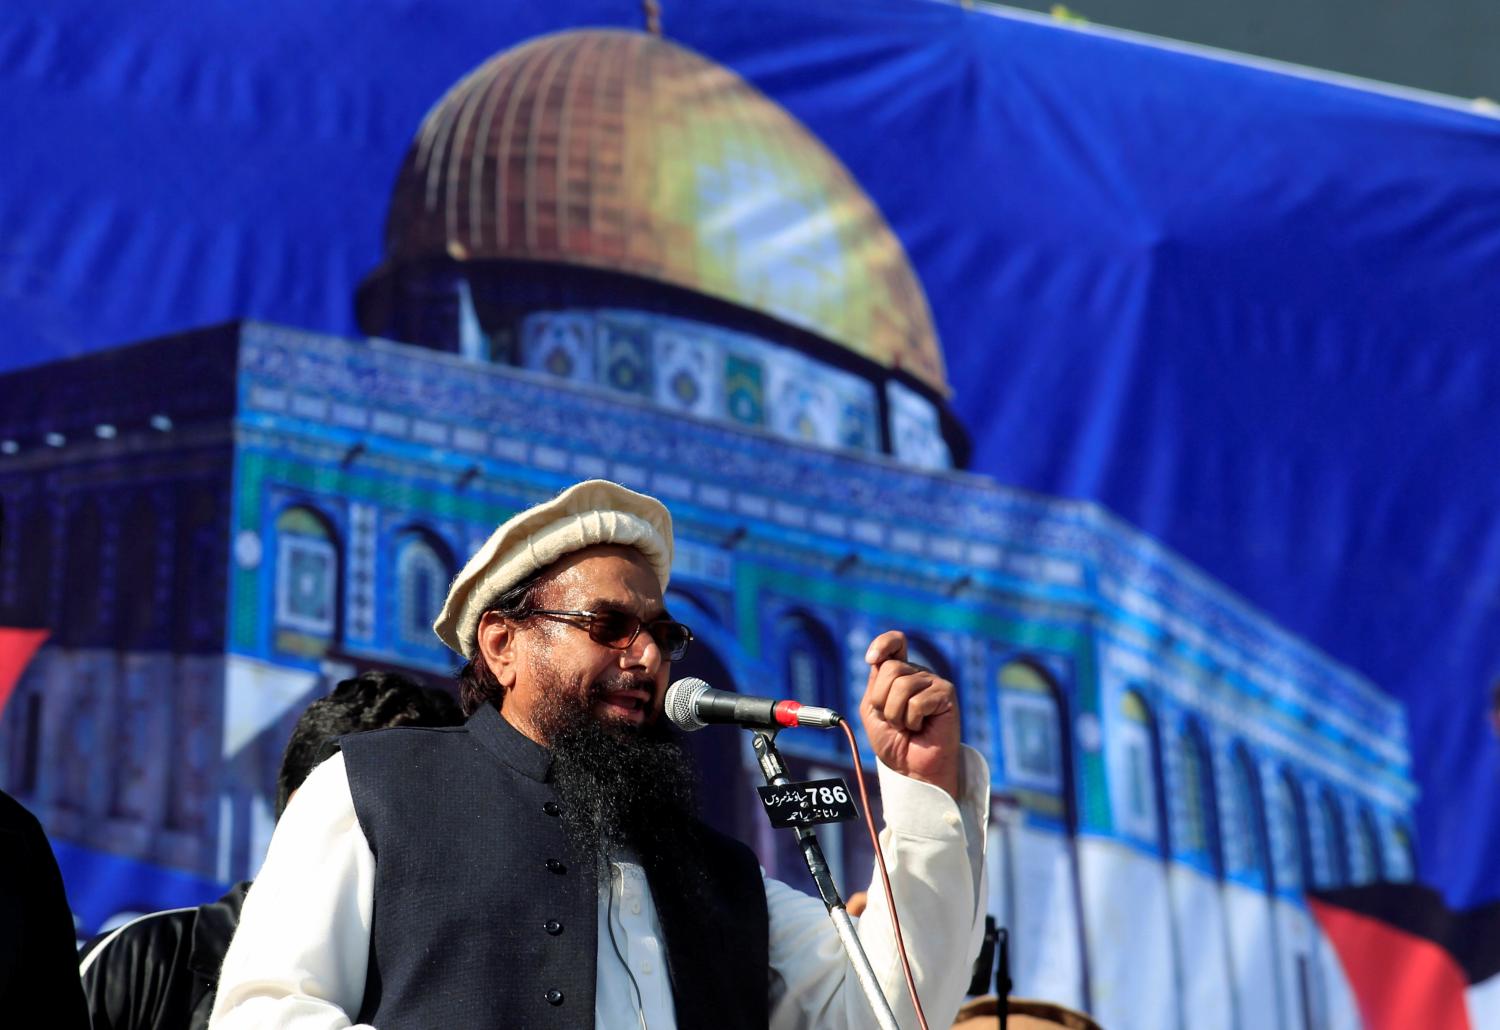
[{"x": 619, "y": 150}]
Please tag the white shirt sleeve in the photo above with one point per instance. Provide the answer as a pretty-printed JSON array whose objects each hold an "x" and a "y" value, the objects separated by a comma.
[
  {"x": 934, "y": 850},
  {"x": 299, "y": 956}
]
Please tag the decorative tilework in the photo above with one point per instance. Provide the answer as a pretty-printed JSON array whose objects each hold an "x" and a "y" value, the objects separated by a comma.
[
  {"x": 916, "y": 435},
  {"x": 625, "y": 353},
  {"x": 560, "y": 344},
  {"x": 744, "y": 389},
  {"x": 689, "y": 364}
]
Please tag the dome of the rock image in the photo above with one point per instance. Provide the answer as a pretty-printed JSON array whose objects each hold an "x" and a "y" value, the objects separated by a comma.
[{"x": 611, "y": 171}]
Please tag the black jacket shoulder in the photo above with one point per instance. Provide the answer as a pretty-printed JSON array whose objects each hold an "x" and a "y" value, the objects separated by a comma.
[{"x": 161, "y": 969}]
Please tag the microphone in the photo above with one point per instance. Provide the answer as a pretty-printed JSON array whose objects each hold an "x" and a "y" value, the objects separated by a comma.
[{"x": 692, "y": 704}]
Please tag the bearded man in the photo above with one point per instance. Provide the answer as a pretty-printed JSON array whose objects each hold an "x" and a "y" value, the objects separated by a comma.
[{"x": 541, "y": 866}]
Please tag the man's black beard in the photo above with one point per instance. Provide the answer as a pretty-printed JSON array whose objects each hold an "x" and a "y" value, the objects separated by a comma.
[{"x": 622, "y": 787}]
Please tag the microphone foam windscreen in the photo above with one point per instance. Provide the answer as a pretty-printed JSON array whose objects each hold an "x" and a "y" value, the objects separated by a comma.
[{"x": 680, "y": 702}]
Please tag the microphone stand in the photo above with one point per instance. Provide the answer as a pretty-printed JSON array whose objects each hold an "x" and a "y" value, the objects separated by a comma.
[
  {"x": 1003, "y": 982},
  {"x": 774, "y": 771}
]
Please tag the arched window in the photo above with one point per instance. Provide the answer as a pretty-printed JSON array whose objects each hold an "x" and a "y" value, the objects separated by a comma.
[
  {"x": 1335, "y": 869},
  {"x": 810, "y": 664},
  {"x": 195, "y": 718},
  {"x": 1198, "y": 812},
  {"x": 723, "y": 778},
  {"x": 137, "y": 696},
  {"x": 25, "y": 742},
  {"x": 423, "y": 570},
  {"x": 137, "y": 569},
  {"x": 85, "y": 741},
  {"x": 923, "y": 652},
  {"x": 1293, "y": 848},
  {"x": 307, "y": 582},
  {"x": 1369, "y": 862},
  {"x": 198, "y": 568},
  {"x": 8, "y": 557},
  {"x": 1192, "y": 829},
  {"x": 1140, "y": 768},
  {"x": 1254, "y": 855},
  {"x": 1031, "y": 732},
  {"x": 33, "y": 529},
  {"x": 1403, "y": 865},
  {"x": 84, "y": 618}
]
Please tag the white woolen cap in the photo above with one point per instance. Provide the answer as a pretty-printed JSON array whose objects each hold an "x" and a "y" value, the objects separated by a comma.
[{"x": 595, "y": 511}]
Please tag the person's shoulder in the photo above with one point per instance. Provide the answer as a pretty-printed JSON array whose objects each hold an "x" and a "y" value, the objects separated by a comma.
[
  {"x": 396, "y": 736},
  {"x": 24, "y": 848},
  {"x": 154, "y": 937},
  {"x": 17, "y": 818},
  {"x": 139, "y": 971},
  {"x": 390, "y": 743},
  {"x": 412, "y": 730}
]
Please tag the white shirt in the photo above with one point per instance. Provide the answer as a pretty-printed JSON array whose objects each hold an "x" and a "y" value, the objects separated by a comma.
[{"x": 300, "y": 956}]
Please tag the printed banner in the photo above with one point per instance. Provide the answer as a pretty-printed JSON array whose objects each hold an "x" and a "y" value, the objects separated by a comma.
[{"x": 1150, "y": 392}]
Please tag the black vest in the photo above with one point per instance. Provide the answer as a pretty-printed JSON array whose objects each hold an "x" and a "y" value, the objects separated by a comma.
[{"x": 484, "y": 917}]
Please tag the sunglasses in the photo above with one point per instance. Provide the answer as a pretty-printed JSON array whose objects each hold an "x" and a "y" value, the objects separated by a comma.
[{"x": 618, "y": 630}]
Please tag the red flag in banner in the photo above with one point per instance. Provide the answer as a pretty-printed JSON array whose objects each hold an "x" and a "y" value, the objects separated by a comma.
[
  {"x": 16, "y": 648},
  {"x": 1400, "y": 979}
]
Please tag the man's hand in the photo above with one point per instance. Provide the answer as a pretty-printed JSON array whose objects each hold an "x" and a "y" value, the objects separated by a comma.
[{"x": 911, "y": 715}]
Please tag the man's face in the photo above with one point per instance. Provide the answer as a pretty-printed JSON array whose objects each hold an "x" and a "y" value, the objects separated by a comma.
[{"x": 550, "y": 654}]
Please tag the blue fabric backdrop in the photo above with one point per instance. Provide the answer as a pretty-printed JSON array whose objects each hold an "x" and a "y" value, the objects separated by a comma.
[{"x": 1252, "y": 313}]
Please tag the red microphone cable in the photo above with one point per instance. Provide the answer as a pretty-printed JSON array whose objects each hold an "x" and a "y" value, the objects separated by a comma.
[{"x": 885, "y": 877}]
